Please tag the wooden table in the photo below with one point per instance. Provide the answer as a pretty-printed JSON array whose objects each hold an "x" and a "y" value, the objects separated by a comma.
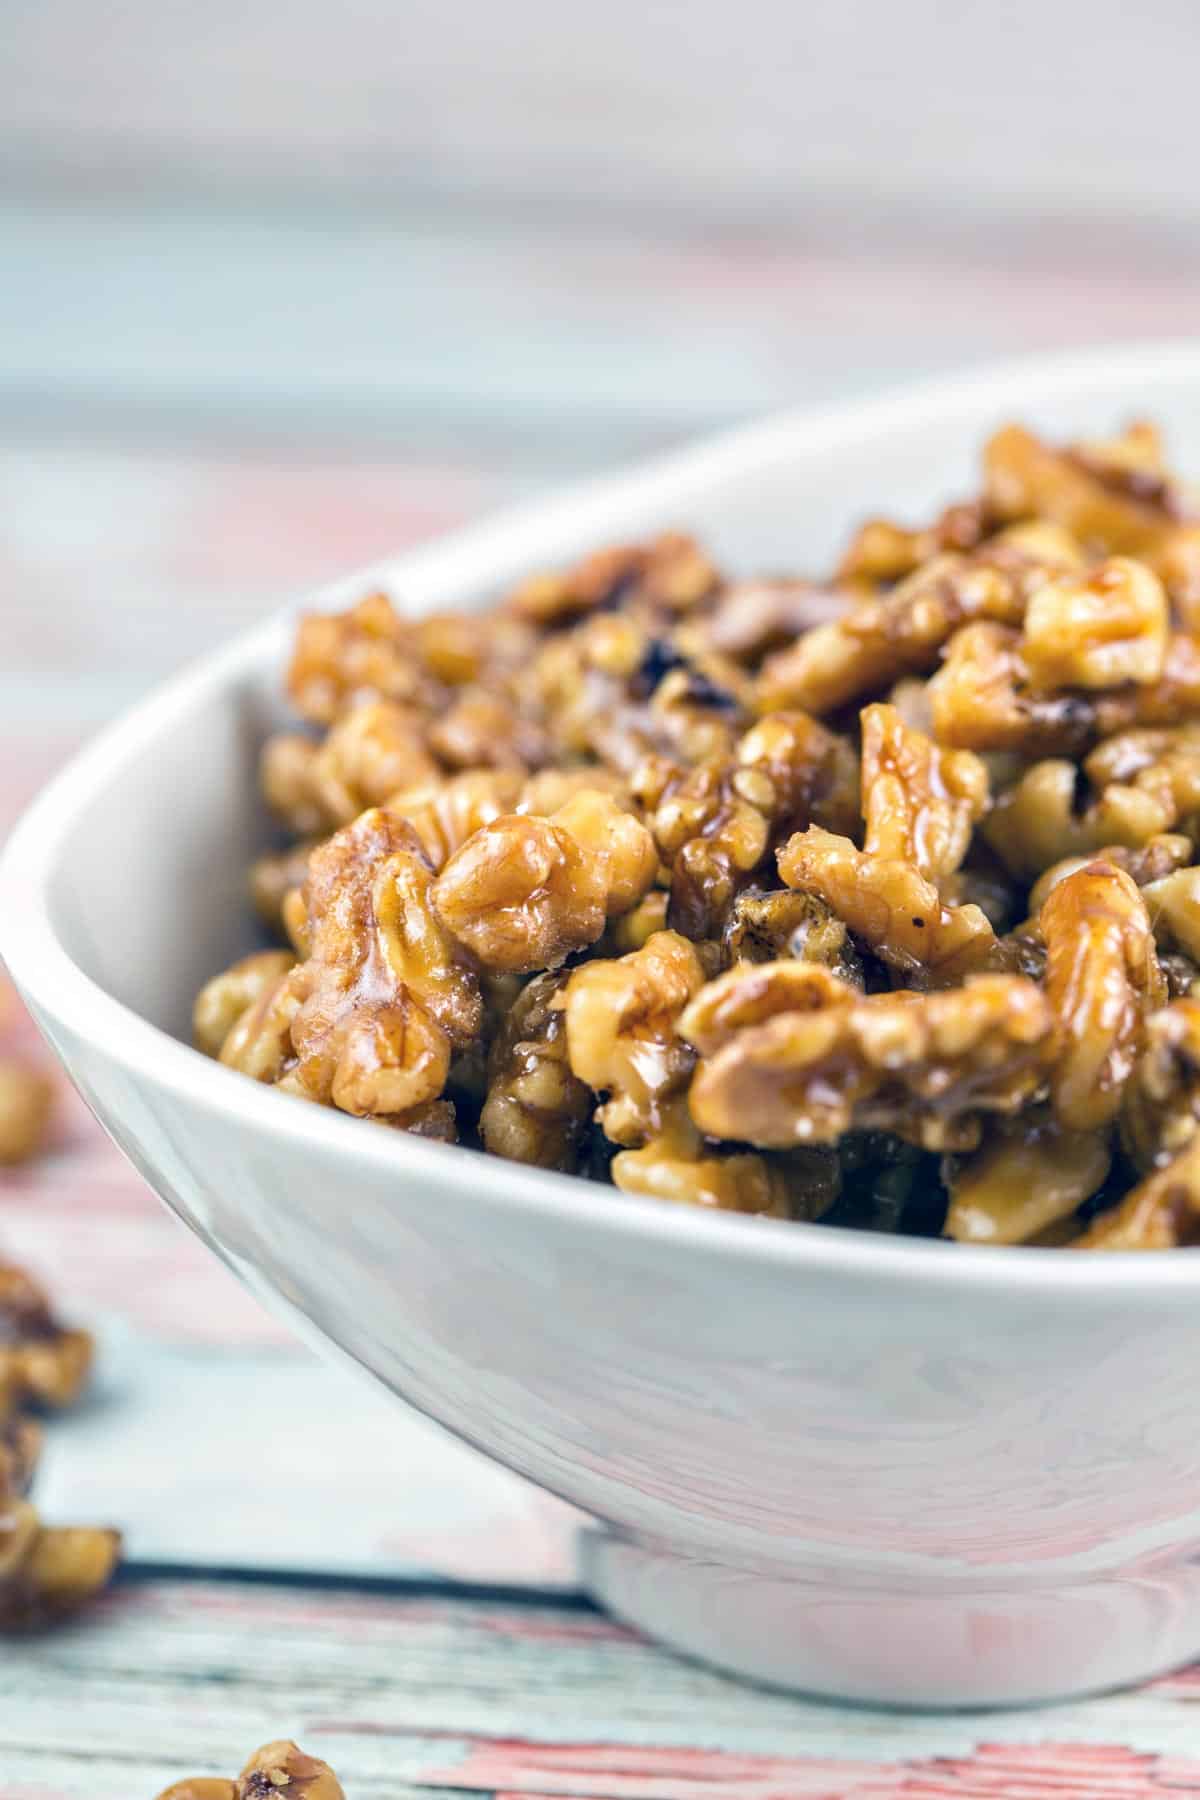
[{"x": 303, "y": 1557}]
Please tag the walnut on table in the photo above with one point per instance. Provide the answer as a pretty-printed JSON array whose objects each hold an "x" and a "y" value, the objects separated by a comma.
[
  {"x": 1102, "y": 977},
  {"x": 26, "y": 1104},
  {"x": 42, "y": 1362},
  {"x": 48, "y": 1572},
  {"x": 277, "y": 1771}
]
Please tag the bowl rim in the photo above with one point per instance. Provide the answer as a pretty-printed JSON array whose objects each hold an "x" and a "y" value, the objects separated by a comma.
[{"x": 57, "y": 987}]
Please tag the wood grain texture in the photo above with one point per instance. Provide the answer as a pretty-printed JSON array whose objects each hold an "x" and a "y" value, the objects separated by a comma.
[{"x": 406, "y": 1694}]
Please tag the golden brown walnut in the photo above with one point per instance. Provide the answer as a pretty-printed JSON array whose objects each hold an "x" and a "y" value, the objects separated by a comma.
[
  {"x": 259, "y": 1043},
  {"x": 920, "y": 803},
  {"x": 1031, "y": 1173},
  {"x": 224, "y": 1000},
  {"x": 1174, "y": 902},
  {"x": 282, "y": 1771},
  {"x": 900, "y": 633},
  {"x": 384, "y": 996},
  {"x": 536, "y": 1109},
  {"x": 1172, "y": 700},
  {"x": 483, "y": 730},
  {"x": 368, "y": 652},
  {"x": 621, "y": 1036},
  {"x": 670, "y": 573},
  {"x": 277, "y": 874},
  {"x": 376, "y": 749},
  {"x": 1096, "y": 629},
  {"x": 20, "y": 1443},
  {"x": 752, "y": 993},
  {"x": 200, "y": 1787},
  {"x": 676, "y": 1165},
  {"x": 1160, "y": 1111},
  {"x": 890, "y": 906},
  {"x": 1146, "y": 865},
  {"x": 632, "y": 929},
  {"x": 26, "y": 1103},
  {"x": 1161, "y": 1213},
  {"x": 982, "y": 700},
  {"x": 524, "y": 893},
  {"x": 1146, "y": 783},
  {"x": 924, "y": 1066},
  {"x": 41, "y": 1361},
  {"x": 1102, "y": 976},
  {"x": 766, "y": 926},
  {"x": 748, "y": 618},
  {"x": 882, "y": 552},
  {"x": 47, "y": 1572},
  {"x": 1112, "y": 497},
  {"x": 446, "y": 812},
  {"x": 548, "y": 789}
]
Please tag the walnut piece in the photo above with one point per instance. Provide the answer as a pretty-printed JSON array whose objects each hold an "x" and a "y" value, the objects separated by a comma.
[
  {"x": 523, "y": 893},
  {"x": 26, "y": 1103},
  {"x": 1030, "y": 1173},
  {"x": 375, "y": 749},
  {"x": 1161, "y": 1104},
  {"x": 228, "y": 996},
  {"x": 48, "y": 1572},
  {"x": 1097, "y": 629},
  {"x": 1102, "y": 976},
  {"x": 1161, "y": 1213},
  {"x": 621, "y": 1037},
  {"x": 676, "y": 1164},
  {"x": 42, "y": 1362},
  {"x": 278, "y": 1771},
  {"x": 924, "y": 1066},
  {"x": 536, "y": 1108},
  {"x": 366, "y": 653}
]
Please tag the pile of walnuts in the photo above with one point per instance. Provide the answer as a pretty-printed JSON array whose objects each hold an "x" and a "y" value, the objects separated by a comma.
[{"x": 871, "y": 900}]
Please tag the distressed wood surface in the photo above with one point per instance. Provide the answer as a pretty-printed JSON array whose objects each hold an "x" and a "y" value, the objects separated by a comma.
[{"x": 415, "y": 1694}]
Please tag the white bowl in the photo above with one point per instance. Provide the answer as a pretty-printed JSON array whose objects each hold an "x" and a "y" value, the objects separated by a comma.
[{"x": 900, "y": 1471}]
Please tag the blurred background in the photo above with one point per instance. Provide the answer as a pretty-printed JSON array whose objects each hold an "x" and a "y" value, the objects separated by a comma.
[{"x": 285, "y": 286}]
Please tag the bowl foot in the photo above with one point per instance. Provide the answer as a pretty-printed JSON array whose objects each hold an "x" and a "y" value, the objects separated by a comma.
[{"x": 896, "y": 1647}]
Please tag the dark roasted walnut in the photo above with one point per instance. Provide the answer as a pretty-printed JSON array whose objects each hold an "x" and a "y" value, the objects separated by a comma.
[
  {"x": 48, "y": 1572},
  {"x": 536, "y": 1109},
  {"x": 41, "y": 1361}
]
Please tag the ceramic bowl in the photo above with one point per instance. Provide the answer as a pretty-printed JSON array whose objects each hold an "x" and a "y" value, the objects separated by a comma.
[{"x": 909, "y": 1472}]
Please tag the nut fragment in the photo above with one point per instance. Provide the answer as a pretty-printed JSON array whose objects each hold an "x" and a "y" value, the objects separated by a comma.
[
  {"x": 374, "y": 749},
  {"x": 523, "y": 893},
  {"x": 670, "y": 572},
  {"x": 1102, "y": 975},
  {"x": 40, "y": 1360},
  {"x": 621, "y": 1036},
  {"x": 1030, "y": 1173},
  {"x": 676, "y": 1164},
  {"x": 278, "y": 1771},
  {"x": 924, "y": 1066},
  {"x": 1097, "y": 630},
  {"x": 536, "y": 1108},
  {"x": 228, "y": 996},
  {"x": 1161, "y": 1108},
  {"x": 1162, "y": 1213},
  {"x": 920, "y": 803},
  {"x": 26, "y": 1102},
  {"x": 49, "y": 1572}
]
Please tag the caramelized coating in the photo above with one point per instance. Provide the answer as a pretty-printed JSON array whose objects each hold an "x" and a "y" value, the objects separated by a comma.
[
  {"x": 374, "y": 750},
  {"x": 924, "y": 1066},
  {"x": 46, "y": 1572},
  {"x": 26, "y": 1103},
  {"x": 1102, "y": 975},
  {"x": 891, "y": 907},
  {"x": 671, "y": 573},
  {"x": 900, "y": 633},
  {"x": 384, "y": 997},
  {"x": 1161, "y": 1104},
  {"x": 1145, "y": 866},
  {"x": 920, "y": 803},
  {"x": 445, "y": 813},
  {"x": 1174, "y": 902},
  {"x": 1030, "y": 1174},
  {"x": 1096, "y": 629},
  {"x": 1161, "y": 1213},
  {"x": 982, "y": 700},
  {"x": 369, "y": 652},
  {"x": 278, "y": 1771},
  {"x": 621, "y": 1036},
  {"x": 228, "y": 996},
  {"x": 677, "y": 1165},
  {"x": 524, "y": 893},
  {"x": 41, "y": 1361},
  {"x": 536, "y": 1108}
]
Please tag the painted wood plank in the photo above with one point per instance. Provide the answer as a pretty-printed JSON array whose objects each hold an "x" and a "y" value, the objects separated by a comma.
[{"x": 171, "y": 1677}]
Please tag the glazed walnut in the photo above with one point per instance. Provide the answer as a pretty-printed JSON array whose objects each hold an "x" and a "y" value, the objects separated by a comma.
[
  {"x": 1160, "y": 1110},
  {"x": 924, "y": 1066},
  {"x": 920, "y": 803},
  {"x": 524, "y": 893},
  {"x": 278, "y": 1771},
  {"x": 369, "y": 653},
  {"x": 47, "y": 1573},
  {"x": 1031, "y": 1174},
  {"x": 26, "y": 1103},
  {"x": 670, "y": 573},
  {"x": 384, "y": 997},
  {"x": 677, "y": 1165},
  {"x": 41, "y": 1361},
  {"x": 374, "y": 750},
  {"x": 1161, "y": 1213},
  {"x": 536, "y": 1108},
  {"x": 228, "y": 996},
  {"x": 621, "y": 1037},
  {"x": 1096, "y": 629},
  {"x": 1102, "y": 976},
  {"x": 445, "y": 813}
]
